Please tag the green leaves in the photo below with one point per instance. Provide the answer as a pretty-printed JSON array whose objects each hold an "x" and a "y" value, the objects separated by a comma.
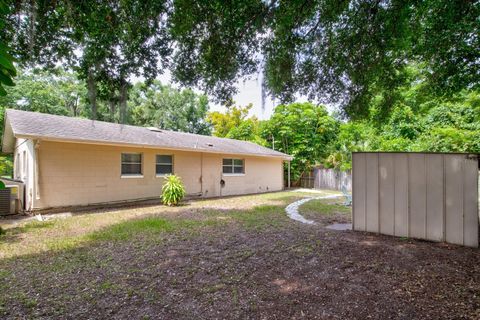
[
  {"x": 169, "y": 108},
  {"x": 173, "y": 190},
  {"x": 303, "y": 130},
  {"x": 7, "y": 69}
]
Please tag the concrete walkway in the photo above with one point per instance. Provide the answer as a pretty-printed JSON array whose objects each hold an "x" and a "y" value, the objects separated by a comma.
[{"x": 292, "y": 208}]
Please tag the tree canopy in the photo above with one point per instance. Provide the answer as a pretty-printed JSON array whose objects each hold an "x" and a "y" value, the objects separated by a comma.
[
  {"x": 63, "y": 93},
  {"x": 235, "y": 123},
  {"x": 7, "y": 69},
  {"x": 169, "y": 108},
  {"x": 331, "y": 51},
  {"x": 303, "y": 130},
  {"x": 342, "y": 52}
]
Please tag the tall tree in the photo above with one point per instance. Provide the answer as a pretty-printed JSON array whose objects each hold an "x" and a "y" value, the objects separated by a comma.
[
  {"x": 303, "y": 130},
  {"x": 54, "y": 92},
  {"x": 107, "y": 42},
  {"x": 234, "y": 123},
  {"x": 224, "y": 123},
  {"x": 7, "y": 69},
  {"x": 169, "y": 108},
  {"x": 329, "y": 50}
]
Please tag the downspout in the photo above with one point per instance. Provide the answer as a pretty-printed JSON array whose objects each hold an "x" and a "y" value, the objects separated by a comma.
[
  {"x": 36, "y": 187},
  {"x": 201, "y": 173}
]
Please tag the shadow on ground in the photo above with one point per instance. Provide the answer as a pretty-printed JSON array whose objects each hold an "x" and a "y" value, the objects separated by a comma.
[{"x": 230, "y": 264}]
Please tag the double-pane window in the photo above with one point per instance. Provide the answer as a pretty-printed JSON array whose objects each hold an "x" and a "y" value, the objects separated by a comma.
[
  {"x": 233, "y": 166},
  {"x": 131, "y": 164},
  {"x": 164, "y": 165}
]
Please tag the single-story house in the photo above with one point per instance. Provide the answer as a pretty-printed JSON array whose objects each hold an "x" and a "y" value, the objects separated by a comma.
[{"x": 66, "y": 161}]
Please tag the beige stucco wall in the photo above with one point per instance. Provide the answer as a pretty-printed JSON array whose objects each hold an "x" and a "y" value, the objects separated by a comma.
[
  {"x": 24, "y": 169},
  {"x": 81, "y": 174}
]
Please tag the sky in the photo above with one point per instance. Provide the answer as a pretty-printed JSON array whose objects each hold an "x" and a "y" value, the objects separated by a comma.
[{"x": 249, "y": 91}]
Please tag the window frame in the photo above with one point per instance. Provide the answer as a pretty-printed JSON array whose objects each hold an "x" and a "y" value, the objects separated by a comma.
[
  {"x": 131, "y": 175},
  {"x": 161, "y": 175},
  {"x": 233, "y": 166}
]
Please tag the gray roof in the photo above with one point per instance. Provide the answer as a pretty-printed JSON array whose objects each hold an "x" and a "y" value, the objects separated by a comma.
[{"x": 60, "y": 128}]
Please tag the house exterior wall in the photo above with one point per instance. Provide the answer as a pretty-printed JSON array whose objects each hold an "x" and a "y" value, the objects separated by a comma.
[
  {"x": 24, "y": 169},
  {"x": 80, "y": 174}
]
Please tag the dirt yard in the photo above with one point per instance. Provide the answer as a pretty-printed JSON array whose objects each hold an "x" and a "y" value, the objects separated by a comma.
[{"x": 235, "y": 258}]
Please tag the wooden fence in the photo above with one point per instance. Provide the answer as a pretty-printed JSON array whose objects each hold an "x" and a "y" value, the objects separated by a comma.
[{"x": 330, "y": 179}]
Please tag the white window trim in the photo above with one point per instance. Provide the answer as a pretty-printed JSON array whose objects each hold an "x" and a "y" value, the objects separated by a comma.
[
  {"x": 132, "y": 175},
  {"x": 163, "y": 175},
  {"x": 233, "y": 166}
]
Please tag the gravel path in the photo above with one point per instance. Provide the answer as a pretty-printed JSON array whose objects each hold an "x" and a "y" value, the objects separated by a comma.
[{"x": 292, "y": 208}]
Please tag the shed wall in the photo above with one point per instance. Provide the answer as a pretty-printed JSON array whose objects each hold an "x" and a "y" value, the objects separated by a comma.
[{"x": 419, "y": 195}]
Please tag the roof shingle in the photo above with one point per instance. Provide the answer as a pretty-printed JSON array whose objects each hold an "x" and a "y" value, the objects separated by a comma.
[{"x": 47, "y": 126}]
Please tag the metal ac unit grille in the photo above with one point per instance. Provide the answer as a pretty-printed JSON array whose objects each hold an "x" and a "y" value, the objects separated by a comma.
[{"x": 5, "y": 201}]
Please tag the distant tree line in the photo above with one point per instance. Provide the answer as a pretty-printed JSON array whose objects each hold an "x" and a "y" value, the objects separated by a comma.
[{"x": 420, "y": 120}]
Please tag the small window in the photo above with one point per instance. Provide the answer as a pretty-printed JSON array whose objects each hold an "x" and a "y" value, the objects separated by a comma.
[
  {"x": 164, "y": 165},
  {"x": 233, "y": 166},
  {"x": 131, "y": 164}
]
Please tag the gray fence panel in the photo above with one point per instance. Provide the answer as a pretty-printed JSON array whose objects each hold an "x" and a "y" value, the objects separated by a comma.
[
  {"x": 434, "y": 204},
  {"x": 387, "y": 194},
  {"x": 417, "y": 193},
  {"x": 420, "y": 195},
  {"x": 359, "y": 201},
  {"x": 401, "y": 194},
  {"x": 454, "y": 199},
  {"x": 470, "y": 235},
  {"x": 372, "y": 192}
]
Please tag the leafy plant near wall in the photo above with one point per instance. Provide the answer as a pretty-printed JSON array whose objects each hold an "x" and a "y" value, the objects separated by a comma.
[{"x": 173, "y": 190}]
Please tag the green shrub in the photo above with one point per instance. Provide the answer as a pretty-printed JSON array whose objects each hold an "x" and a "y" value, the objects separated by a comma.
[{"x": 173, "y": 190}]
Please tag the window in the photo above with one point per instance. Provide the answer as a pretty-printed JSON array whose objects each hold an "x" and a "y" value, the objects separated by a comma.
[
  {"x": 233, "y": 166},
  {"x": 131, "y": 164},
  {"x": 164, "y": 165}
]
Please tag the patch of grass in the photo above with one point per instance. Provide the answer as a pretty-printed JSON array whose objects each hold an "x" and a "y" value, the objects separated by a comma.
[
  {"x": 147, "y": 226},
  {"x": 33, "y": 225},
  {"x": 260, "y": 217},
  {"x": 324, "y": 207},
  {"x": 108, "y": 285},
  {"x": 212, "y": 288},
  {"x": 29, "y": 227},
  {"x": 65, "y": 243},
  {"x": 119, "y": 224},
  {"x": 4, "y": 274}
]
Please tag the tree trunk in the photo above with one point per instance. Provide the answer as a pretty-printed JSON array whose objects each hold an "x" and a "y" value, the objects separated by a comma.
[
  {"x": 111, "y": 107},
  {"x": 92, "y": 93},
  {"x": 122, "y": 103}
]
